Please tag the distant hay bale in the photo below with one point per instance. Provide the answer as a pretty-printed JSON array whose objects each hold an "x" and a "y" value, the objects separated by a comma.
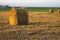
[
  {"x": 58, "y": 11},
  {"x": 13, "y": 17},
  {"x": 51, "y": 11},
  {"x": 22, "y": 15}
]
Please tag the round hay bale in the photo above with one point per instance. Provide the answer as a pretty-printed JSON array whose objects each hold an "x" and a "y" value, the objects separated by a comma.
[
  {"x": 13, "y": 17},
  {"x": 22, "y": 15},
  {"x": 51, "y": 11},
  {"x": 58, "y": 11}
]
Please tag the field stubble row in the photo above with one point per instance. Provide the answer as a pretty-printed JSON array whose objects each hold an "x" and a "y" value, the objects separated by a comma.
[
  {"x": 42, "y": 26},
  {"x": 34, "y": 17}
]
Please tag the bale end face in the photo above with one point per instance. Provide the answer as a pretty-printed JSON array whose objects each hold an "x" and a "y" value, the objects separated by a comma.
[{"x": 22, "y": 15}]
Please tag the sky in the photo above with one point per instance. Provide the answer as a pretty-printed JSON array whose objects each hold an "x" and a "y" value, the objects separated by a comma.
[{"x": 31, "y": 3}]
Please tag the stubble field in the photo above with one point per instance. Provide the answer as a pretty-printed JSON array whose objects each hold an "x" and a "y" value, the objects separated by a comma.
[{"x": 42, "y": 26}]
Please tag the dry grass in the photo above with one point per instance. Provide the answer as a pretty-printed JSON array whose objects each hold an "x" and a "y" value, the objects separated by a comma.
[
  {"x": 43, "y": 17},
  {"x": 42, "y": 26}
]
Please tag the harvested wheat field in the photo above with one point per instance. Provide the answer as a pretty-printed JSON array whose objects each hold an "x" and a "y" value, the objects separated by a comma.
[{"x": 41, "y": 26}]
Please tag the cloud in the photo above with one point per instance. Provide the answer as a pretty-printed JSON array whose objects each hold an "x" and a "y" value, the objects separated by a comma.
[
  {"x": 25, "y": 1},
  {"x": 30, "y": 2}
]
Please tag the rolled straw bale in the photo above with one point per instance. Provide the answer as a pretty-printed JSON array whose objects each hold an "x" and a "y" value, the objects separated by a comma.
[
  {"x": 51, "y": 11},
  {"x": 22, "y": 15},
  {"x": 58, "y": 11}
]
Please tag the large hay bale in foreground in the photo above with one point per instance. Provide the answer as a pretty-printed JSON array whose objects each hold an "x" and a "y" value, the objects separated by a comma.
[
  {"x": 51, "y": 11},
  {"x": 22, "y": 15},
  {"x": 13, "y": 17}
]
